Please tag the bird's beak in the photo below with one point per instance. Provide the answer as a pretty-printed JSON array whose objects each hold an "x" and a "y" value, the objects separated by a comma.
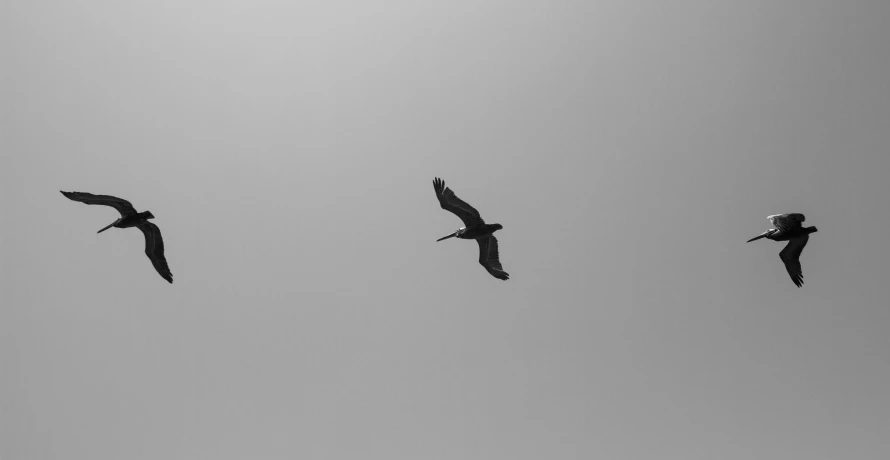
[
  {"x": 446, "y": 237},
  {"x": 109, "y": 226},
  {"x": 758, "y": 237}
]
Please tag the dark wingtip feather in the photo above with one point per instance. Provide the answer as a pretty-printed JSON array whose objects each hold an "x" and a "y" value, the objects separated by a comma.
[{"x": 164, "y": 271}]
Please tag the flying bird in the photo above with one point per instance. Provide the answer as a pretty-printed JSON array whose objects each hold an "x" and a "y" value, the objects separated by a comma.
[
  {"x": 154, "y": 245},
  {"x": 788, "y": 228},
  {"x": 474, "y": 229}
]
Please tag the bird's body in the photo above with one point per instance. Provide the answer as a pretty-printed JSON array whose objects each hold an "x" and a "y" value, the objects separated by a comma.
[
  {"x": 133, "y": 220},
  {"x": 154, "y": 244},
  {"x": 479, "y": 231},
  {"x": 789, "y": 228},
  {"x": 475, "y": 229}
]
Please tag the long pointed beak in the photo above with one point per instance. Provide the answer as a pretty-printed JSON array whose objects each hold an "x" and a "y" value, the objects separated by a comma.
[
  {"x": 109, "y": 226},
  {"x": 758, "y": 237},
  {"x": 446, "y": 237}
]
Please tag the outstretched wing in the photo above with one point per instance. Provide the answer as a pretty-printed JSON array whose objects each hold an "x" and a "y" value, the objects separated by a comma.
[
  {"x": 488, "y": 257},
  {"x": 791, "y": 257},
  {"x": 123, "y": 206},
  {"x": 450, "y": 202},
  {"x": 154, "y": 249},
  {"x": 786, "y": 222}
]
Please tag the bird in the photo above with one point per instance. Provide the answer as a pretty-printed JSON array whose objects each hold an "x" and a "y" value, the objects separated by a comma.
[
  {"x": 474, "y": 229},
  {"x": 154, "y": 244},
  {"x": 789, "y": 228}
]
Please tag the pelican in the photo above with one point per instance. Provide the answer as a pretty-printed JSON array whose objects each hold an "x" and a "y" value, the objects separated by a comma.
[
  {"x": 788, "y": 228},
  {"x": 154, "y": 245},
  {"x": 475, "y": 229}
]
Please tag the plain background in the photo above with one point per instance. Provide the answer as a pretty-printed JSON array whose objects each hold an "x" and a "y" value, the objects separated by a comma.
[{"x": 287, "y": 149}]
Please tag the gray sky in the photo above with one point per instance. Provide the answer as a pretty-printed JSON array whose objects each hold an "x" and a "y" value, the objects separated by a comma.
[{"x": 629, "y": 148}]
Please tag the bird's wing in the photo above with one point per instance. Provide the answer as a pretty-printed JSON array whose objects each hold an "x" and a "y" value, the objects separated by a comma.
[
  {"x": 123, "y": 206},
  {"x": 488, "y": 257},
  {"x": 786, "y": 222},
  {"x": 154, "y": 249},
  {"x": 450, "y": 202},
  {"x": 791, "y": 257}
]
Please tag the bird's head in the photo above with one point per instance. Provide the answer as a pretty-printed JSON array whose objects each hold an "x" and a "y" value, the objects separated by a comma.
[
  {"x": 456, "y": 233},
  {"x": 110, "y": 225},
  {"x": 496, "y": 227},
  {"x": 765, "y": 234}
]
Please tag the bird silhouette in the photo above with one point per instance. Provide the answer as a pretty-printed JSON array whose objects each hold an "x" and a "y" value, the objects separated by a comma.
[
  {"x": 154, "y": 245},
  {"x": 788, "y": 228},
  {"x": 474, "y": 229}
]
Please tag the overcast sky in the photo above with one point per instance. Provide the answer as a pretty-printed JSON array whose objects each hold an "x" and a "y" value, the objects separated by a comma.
[{"x": 287, "y": 150}]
